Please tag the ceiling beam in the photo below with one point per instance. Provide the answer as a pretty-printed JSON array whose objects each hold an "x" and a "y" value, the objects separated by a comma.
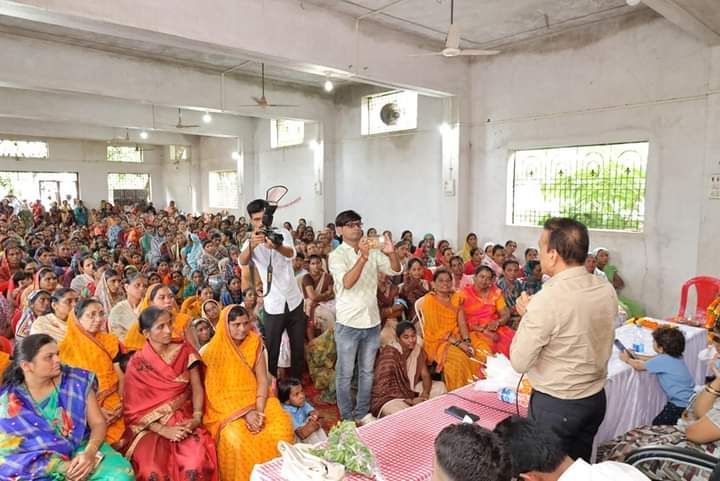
[
  {"x": 43, "y": 66},
  {"x": 278, "y": 32},
  {"x": 699, "y": 18}
]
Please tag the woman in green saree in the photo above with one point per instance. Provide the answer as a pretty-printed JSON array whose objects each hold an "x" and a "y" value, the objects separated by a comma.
[
  {"x": 633, "y": 308},
  {"x": 51, "y": 426}
]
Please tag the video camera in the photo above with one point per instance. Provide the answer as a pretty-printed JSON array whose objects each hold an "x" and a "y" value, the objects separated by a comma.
[{"x": 272, "y": 197}]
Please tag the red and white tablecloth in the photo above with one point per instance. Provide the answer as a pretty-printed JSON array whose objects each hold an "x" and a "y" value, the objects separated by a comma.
[{"x": 403, "y": 442}]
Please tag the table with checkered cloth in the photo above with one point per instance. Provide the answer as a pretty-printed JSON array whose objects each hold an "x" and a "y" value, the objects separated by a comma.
[{"x": 403, "y": 442}]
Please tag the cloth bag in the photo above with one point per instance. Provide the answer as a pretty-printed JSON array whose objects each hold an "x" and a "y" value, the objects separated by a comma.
[{"x": 299, "y": 465}]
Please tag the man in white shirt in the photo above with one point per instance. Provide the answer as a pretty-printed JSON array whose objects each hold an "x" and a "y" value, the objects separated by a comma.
[
  {"x": 354, "y": 267},
  {"x": 282, "y": 300},
  {"x": 536, "y": 454}
]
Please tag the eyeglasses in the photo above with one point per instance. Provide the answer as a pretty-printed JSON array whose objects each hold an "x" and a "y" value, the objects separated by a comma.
[{"x": 354, "y": 223}]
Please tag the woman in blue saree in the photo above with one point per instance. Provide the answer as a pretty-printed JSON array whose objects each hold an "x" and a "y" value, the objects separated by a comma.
[{"x": 51, "y": 426}]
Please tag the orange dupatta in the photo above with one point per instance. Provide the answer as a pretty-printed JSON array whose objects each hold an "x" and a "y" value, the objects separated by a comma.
[
  {"x": 96, "y": 353},
  {"x": 4, "y": 363},
  {"x": 134, "y": 340},
  {"x": 191, "y": 306}
]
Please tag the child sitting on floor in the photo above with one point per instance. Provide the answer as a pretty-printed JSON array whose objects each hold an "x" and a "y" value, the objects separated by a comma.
[
  {"x": 305, "y": 419},
  {"x": 672, "y": 372}
]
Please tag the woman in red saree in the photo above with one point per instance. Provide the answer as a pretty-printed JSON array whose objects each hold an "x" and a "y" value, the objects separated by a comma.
[
  {"x": 163, "y": 407},
  {"x": 10, "y": 263},
  {"x": 486, "y": 313}
]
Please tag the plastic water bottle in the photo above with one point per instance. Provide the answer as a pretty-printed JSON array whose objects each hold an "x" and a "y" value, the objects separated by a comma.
[
  {"x": 510, "y": 396},
  {"x": 638, "y": 341}
]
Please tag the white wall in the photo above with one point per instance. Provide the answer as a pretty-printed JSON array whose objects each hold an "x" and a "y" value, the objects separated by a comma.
[
  {"x": 392, "y": 180},
  {"x": 87, "y": 158},
  {"x": 633, "y": 78},
  {"x": 294, "y": 167}
]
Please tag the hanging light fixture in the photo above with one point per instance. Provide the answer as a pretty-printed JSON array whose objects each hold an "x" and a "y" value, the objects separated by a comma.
[
  {"x": 207, "y": 118},
  {"x": 144, "y": 135}
]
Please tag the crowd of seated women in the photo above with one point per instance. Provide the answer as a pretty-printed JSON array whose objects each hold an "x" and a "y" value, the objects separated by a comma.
[{"x": 136, "y": 331}]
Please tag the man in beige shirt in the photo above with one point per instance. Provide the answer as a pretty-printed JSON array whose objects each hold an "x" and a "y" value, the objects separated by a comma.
[{"x": 565, "y": 339}]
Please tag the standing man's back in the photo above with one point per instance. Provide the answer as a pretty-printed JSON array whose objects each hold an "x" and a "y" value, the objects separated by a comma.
[{"x": 565, "y": 339}]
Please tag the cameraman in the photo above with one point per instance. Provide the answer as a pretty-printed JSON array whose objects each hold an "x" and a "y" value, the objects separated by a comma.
[{"x": 283, "y": 301}]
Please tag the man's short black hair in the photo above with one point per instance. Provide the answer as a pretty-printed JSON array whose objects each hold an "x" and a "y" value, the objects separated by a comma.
[
  {"x": 569, "y": 238},
  {"x": 468, "y": 452},
  {"x": 671, "y": 339},
  {"x": 531, "y": 447},
  {"x": 347, "y": 216},
  {"x": 258, "y": 205},
  {"x": 498, "y": 248}
]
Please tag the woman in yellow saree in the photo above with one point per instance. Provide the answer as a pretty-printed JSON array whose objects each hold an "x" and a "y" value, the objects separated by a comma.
[
  {"x": 245, "y": 422},
  {"x": 161, "y": 296},
  {"x": 446, "y": 340},
  {"x": 86, "y": 346}
]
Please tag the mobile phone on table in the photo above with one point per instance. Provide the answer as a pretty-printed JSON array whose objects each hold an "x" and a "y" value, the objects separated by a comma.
[
  {"x": 460, "y": 413},
  {"x": 621, "y": 347}
]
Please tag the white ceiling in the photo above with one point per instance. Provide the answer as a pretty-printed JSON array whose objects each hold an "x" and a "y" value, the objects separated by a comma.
[
  {"x": 215, "y": 62},
  {"x": 483, "y": 22}
]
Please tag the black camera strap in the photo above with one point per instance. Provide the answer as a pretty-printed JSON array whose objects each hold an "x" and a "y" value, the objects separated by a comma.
[{"x": 269, "y": 274}]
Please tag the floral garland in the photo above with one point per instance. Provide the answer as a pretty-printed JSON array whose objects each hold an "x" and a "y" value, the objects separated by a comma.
[{"x": 645, "y": 322}]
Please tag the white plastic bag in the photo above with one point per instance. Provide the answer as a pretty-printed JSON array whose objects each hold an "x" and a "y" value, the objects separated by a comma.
[
  {"x": 299, "y": 465},
  {"x": 499, "y": 373}
]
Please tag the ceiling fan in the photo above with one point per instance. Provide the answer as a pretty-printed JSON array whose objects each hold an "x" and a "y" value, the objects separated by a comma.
[
  {"x": 452, "y": 42},
  {"x": 180, "y": 124},
  {"x": 262, "y": 101}
]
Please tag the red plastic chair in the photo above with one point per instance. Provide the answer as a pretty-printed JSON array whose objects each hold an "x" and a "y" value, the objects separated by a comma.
[{"x": 707, "y": 289}]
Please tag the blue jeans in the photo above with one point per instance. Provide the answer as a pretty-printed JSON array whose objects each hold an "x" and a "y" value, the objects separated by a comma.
[{"x": 352, "y": 344}]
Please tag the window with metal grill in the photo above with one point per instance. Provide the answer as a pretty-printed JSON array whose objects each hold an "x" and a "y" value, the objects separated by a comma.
[
  {"x": 21, "y": 149},
  {"x": 127, "y": 188},
  {"x": 124, "y": 153},
  {"x": 389, "y": 112},
  {"x": 602, "y": 186},
  {"x": 286, "y": 133},
  {"x": 223, "y": 189}
]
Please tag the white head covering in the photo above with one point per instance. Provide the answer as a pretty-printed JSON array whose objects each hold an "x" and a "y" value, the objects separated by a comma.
[{"x": 596, "y": 250}]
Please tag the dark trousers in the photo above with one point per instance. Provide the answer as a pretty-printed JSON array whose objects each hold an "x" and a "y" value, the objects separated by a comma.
[
  {"x": 575, "y": 421},
  {"x": 669, "y": 415},
  {"x": 294, "y": 322}
]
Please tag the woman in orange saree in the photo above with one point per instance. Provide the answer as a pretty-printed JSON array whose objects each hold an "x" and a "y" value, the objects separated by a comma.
[
  {"x": 86, "y": 346},
  {"x": 245, "y": 422},
  {"x": 163, "y": 406},
  {"x": 161, "y": 296},
  {"x": 486, "y": 312},
  {"x": 446, "y": 341}
]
